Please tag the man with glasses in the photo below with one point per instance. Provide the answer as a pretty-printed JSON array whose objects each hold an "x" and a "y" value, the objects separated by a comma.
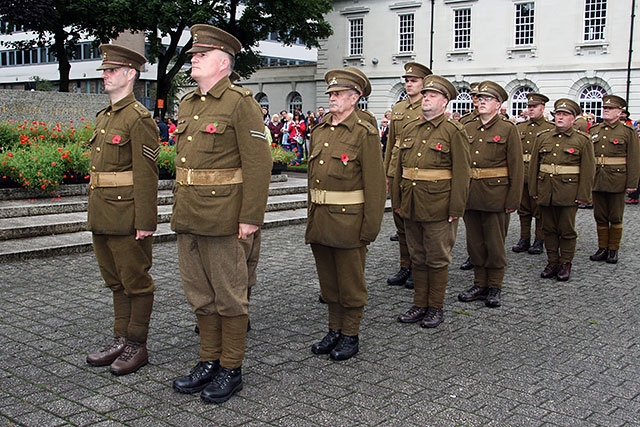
[
  {"x": 561, "y": 177},
  {"x": 494, "y": 192},
  {"x": 615, "y": 145},
  {"x": 528, "y": 210}
]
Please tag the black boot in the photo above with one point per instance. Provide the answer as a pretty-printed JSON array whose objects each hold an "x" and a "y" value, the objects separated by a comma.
[
  {"x": 612, "y": 257},
  {"x": 409, "y": 283},
  {"x": 199, "y": 377},
  {"x": 328, "y": 342},
  {"x": 537, "y": 247},
  {"x": 493, "y": 299},
  {"x": 523, "y": 245},
  {"x": 224, "y": 385},
  {"x": 434, "y": 317},
  {"x": 600, "y": 255},
  {"x": 346, "y": 348},
  {"x": 400, "y": 277},
  {"x": 473, "y": 293},
  {"x": 467, "y": 265}
]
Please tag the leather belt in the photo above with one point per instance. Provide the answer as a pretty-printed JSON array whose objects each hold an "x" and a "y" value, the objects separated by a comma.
[
  {"x": 610, "y": 161},
  {"x": 426, "y": 174},
  {"x": 324, "y": 197},
  {"x": 480, "y": 173},
  {"x": 526, "y": 157},
  {"x": 559, "y": 169},
  {"x": 111, "y": 179},
  {"x": 186, "y": 176}
]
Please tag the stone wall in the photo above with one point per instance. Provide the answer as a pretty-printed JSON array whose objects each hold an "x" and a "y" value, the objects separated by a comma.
[{"x": 50, "y": 107}]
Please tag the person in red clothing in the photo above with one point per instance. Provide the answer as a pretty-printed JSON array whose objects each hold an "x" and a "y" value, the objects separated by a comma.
[{"x": 297, "y": 130}]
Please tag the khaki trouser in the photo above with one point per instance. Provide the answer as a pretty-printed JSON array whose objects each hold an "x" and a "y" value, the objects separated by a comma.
[{"x": 559, "y": 226}]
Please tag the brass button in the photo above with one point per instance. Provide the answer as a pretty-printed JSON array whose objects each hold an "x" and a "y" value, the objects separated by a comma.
[
  {"x": 326, "y": 144},
  {"x": 135, "y": 105},
  {"x": 183, "y": 160},
  {"x": 414, "y": 183},
  {"x": 554, "y": 154},
  {"x": 119, "y": 197},
  {"x": 196, "y": 117},
  {"x": 189, "y": 138},
  {"x": 477, "y": 152},
  {"x": 213, "y": 192},
  {"x": 474, "y": 163},
  {"x": 321, "y": 162},
  {"x": 98, "y": 149},
  {"x": 480, "y": 140},
  {"x": 332, "y": 128},
  {"x": 424, "y": 141},
  {"x": 317, "y": 181},
  {"x": 93, "y": 188},
  {"x": 109, "y": 113},
  {"x": 419, "y": 154},
  {"x": 93, "y": 168},
  {"x": 203, "y": 98},
  {"x": 102, "y": 131},
  {"x": 344, "y": 210}
]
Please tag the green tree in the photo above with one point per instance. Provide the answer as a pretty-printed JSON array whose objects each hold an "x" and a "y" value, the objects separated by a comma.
[
  {"x": 61, "y": 24},
  {"x": 249, "y": 20}
]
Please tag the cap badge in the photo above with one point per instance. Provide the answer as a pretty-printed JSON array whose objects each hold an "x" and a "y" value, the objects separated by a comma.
[
  {"x": 410, "y": 70},
  {"x": 608, "y": 101},
  {"x": 195, "y": 38},
  {"x": 530, "y": 98},
  {"x": 333, "y": 81},
  {"x": 564, "y": 104},
  {"x": 430, "y": 83},
  {"x": 104, "y": 56},
  {"x": 484, "y": 89}
]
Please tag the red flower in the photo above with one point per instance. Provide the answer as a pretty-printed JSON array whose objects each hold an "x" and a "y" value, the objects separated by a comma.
[
  {"x": 344, "y": 158},
  {"x": 53, "y": 163},
  {"x": 496, "y": 138},
  {"x": 571, "y": 150},
  {"x": 116, "y": 139},
  {"x": 615, "y": 141},
  {"x": 10, "y": 154},
  {"x": 438, "y": 146},
  {"x": 212, "y": 127}
]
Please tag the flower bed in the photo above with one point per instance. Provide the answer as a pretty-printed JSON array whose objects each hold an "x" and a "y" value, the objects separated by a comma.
[{"x": 41, "y": 157}]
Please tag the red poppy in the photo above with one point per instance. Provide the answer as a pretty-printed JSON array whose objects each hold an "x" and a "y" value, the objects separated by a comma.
[
  {"x": 10, "y": 154},
  {"x": 615, "y": 141},
  {"x": 53, "y": 163},
  {"x": 211, "y": 128},
  {"x": 496, "y": 138},
  {"x": 571, "y": 150},
  {"x": 344, "y": 158},
  {"x": 438, "y": 146},
  {"x": 116, "y": 139}
]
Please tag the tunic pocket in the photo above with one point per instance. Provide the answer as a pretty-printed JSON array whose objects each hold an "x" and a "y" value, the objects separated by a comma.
[
  {"x": 211, "y": 135},
  {"x": 117, "y": 148}
]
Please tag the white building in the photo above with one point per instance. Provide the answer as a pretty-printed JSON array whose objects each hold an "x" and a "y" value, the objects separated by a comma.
[{"x": 562, "y": 48}]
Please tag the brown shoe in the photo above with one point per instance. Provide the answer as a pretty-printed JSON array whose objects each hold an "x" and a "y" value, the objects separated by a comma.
[
  {"x": 551, "y": 270},
  {"x": 564, "y": 272},
  {"x": 600, "y": 255},
  {"x": 107, "y": 355},
  {"x": 474, "y": 293},
  {"x": 133, "y": 357},
  {"x": 413, "y": 315}
]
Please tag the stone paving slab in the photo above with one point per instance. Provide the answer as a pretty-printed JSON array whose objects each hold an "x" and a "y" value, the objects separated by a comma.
[{"x": 555, "y": 354}]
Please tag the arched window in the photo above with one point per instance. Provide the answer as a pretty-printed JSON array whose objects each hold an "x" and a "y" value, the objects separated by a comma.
[
  {"x": 295, "y": 101},
  {"x": 263, "y": 100},
  {"x": 363, "y": 103},
  {"x": 463, "y": 102},
  {"x": 591, "y": 100},
  {"x": 519, "y": 101},
  {"x": 402, "y": 96}
]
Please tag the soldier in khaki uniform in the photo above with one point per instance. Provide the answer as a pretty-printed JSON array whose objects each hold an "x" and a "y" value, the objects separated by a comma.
[
  {"x": 528, "y": 210},
  {"x": 430, "y": 189},
  {"x": 346, "y": 204},
  {"x": 223, "y": 168},
  {"x": 561, "y": 176},
  {"x": 123, "y": 208},
  {"x": 616, "y": 148},
  {"x": 402, "y": 113},
  {"x": 366, "y": 91},
  {"x": 494, "y": 192}
]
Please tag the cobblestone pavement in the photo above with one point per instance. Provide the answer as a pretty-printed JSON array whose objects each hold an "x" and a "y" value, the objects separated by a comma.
[{"x": 555, "y": 353}]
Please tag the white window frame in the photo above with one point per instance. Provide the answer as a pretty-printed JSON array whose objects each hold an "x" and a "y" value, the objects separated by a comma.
[
  {"x": 406, "y": 36},
  {"x": 595, "y": 20},
  {"x": 590, "y": 99},
  {"x": 519, "y": 100},
  {"x": 355, "y": 41},
  {"x": 462, "y": 32},
  {"x": 463, "y": 103},
  {"x": 524, "y": 26}
]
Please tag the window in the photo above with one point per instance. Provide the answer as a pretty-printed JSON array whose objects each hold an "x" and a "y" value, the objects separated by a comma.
[
  {"x": 595, "y": 13},
  {"x": 463, "y": 102},
  {"x": 591, "y": 100},
  {"x": 402, "y": 96},
  {"x": 263, "y": 100},
  {"x": 295, "y": 101},
  {"x": 524, "y": 24},
  {"x": 519, "y": 101},
  {"x": 356, "y": 37},
  {"x": 406, "y": 35},
  {"x": 462, "y": 28},
  {"x": 363, "y": 103}
]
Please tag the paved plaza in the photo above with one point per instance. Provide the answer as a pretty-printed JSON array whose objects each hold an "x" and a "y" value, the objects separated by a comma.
[{"x": 555, "y": 354}]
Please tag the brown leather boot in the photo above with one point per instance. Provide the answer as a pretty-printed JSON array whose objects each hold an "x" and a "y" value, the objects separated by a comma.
[
  {"x": 108, "y": 354},
  {"x": 564, "y": 272},
  {"x": 133, "y": 357}
]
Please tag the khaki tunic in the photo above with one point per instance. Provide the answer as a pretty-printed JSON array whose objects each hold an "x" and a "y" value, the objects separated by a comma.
[
  {"x": 437, "y": 145},
  {"x": 125, "y": 139},
  {"x": 469, "y": 117},
  {"x": 528, "y": 131},
  {"x": 496, "y": 144},
  {"x": 570, "y": 148},
  {"x": 401, "y": 114},
  {"x": 221, "y": 129},
  {"x": 351, "y": 225},
  {"x": 621, "y": 141}
]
